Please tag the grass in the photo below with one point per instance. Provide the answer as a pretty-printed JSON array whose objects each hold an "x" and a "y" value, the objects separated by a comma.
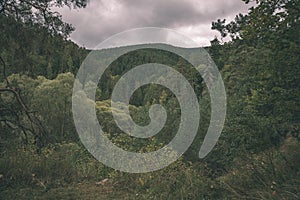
[
  {"x": 70, "y": 191},
  {"x": 67, "y": 171}
]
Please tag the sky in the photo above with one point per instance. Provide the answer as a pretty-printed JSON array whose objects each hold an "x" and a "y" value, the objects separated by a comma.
[{"x": 102, "y": 19}]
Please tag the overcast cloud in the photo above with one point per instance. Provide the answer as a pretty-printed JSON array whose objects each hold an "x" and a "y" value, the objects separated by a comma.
[{"x": 104, "y": 18}]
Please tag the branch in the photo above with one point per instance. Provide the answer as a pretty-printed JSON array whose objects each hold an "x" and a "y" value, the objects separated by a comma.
[
  {"x": 33, "y": 119},
  {"x": 4, "y": 72}
]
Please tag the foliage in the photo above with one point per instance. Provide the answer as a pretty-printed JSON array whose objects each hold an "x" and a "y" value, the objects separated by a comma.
[
  {"x": 40, "y": 13},
  {"x": 257, "y": 156}
]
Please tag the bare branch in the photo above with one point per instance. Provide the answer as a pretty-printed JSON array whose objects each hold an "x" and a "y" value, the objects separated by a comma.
[{"x": 4, "y": 71}]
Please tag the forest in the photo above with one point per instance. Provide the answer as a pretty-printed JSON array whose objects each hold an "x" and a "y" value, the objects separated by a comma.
[{"x": 256, "y": 157}]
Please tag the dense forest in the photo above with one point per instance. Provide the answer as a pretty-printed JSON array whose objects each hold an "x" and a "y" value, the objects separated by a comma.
[{"x": 256, "y": 157}]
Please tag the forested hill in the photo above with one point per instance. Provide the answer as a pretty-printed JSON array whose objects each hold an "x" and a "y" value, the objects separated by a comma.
[{"x": 256, "y": 157}]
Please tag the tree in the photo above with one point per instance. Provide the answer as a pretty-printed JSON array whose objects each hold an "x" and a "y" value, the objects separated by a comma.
[
  {"x": 263, "y": 58},
  {"x": 39, "y": 12},
  {"x": 52, "y": 101},
  {"x": 21, "y": 18}
]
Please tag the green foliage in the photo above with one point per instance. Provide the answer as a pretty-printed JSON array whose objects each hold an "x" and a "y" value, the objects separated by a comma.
[
  {"x": 256, "y": 157},
  {"x": 52, "y": 100},
  {"x": 56, "y": 165},
  {"x": 178, "y": 181},
  {"x": 49, "y": 99},
  {"x": 263, "y": 60},
  {"x": 32, "y": 50},
  {"x": 268, "y": 175},
  {"x": 40, "y": 13}
]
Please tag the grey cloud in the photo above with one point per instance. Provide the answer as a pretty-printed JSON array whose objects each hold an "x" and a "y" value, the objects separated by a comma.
[{"x": 101, "y": 19}]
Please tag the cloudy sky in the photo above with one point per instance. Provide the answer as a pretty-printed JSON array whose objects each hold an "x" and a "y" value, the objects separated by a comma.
[{"x": 104, "y": 18}]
